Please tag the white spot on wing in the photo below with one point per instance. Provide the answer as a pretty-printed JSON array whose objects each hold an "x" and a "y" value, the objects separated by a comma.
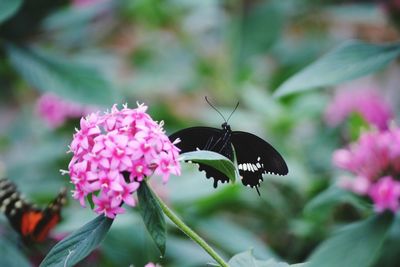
[
  {"x": 254, "y": 167},
  {"x": 18, "y": 204},
  {"x": 250, "y": 166},
  {"x": 6, "y": 201}
]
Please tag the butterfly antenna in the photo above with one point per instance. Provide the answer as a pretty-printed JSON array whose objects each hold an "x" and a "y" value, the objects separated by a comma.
[
  {"x": 215, "y": 108},
  {"x": 233, "y": 111}
]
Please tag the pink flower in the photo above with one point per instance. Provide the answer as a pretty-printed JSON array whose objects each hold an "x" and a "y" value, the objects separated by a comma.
[
  {"x": 55, "y": 111},
  {"x": 373, "y": 154},
  {"x": 360, "y": 98},
  {"x": 85, "y": 3},
  {"x": 108, "y": 205},
  {"x": 372, "y": 159},
  {"x": 359, "y": 185},
  {"x": 385, "y": 193},
  {"x": 112, "y": 153},
  {"x": 150, "y": 264}
]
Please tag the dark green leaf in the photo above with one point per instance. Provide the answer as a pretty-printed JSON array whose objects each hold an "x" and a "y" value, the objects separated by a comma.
[
  {"x": 55, "y": 73},
  {"x": 79, "y": 244},
  {"x": 11, "y": 256},
  {"x": 213, "y": 159},
  {"x": 153, "y": 216},
  {"x": 390, "y": 248},
  {"x": 356, "y": 245},
  {"x": 328, "y": 199},
  {"x": 9, "y": 8},
  {"x": 349, "y": 61}
]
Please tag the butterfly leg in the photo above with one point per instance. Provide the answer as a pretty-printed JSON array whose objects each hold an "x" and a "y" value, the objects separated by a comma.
[
  {"x": 208, "y": 144},
  {"x": 224, "y": 145},
  {"x": 226, "y": 141},
  {"x": 256, "y": 186},
  {"x": 212, "y": 148}
]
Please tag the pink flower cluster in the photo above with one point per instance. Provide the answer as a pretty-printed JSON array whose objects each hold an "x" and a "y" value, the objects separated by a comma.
[
  {"x": 55, "y": 111},
  {"x": 112, "y": 153},
  {"x": 365, "y": 100},
  {"x": 375, "y": 161}
]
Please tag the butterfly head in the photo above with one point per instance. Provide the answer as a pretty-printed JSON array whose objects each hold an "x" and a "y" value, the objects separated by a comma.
[{"x": 226, "y": 127}]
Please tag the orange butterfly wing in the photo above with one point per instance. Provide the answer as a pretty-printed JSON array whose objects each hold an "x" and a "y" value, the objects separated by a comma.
[{"x": 31, "y": 223}]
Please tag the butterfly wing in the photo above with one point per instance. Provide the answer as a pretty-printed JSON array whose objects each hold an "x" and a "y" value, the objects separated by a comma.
[
  {"x": 255, "y": 157},
  {"x": 32, "y": 223},
  {"x": 13, "y": 205},
  {"x": 205, "y": 138},
  {"x": 51, "y": 215}
]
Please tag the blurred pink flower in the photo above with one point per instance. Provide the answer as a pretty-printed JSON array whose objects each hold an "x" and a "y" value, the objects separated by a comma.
[
  {"x": 112, "y": 153},
  {"x": 363, "y": 99},
  {"x": 385, "y": 194},
  {"x": 83, "y": 3},
  {"x": 150, "y": 264},
  {"x": 55, "y": 111},
  {"x": 372, "y": 159},
  {"x": 392, "y": 7},
  {"x": 359, "y": 185}
]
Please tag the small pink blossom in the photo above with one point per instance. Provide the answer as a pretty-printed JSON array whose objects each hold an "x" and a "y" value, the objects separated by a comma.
[
  {"x": 375, "y": 162},
  {"x": 112, "y": 153},
  {"x": 150, "y": 264},
  {"x": 386, "y": 193},
  {"x": 360, "y": 98},
  {"x": 55, "y": 111},
  {"x": 108, "y": 205}
]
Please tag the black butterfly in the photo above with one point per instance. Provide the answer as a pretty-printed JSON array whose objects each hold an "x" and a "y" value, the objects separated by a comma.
[
  {"x": 254, "y": 155},
  {"x": 32, "y": 223}
]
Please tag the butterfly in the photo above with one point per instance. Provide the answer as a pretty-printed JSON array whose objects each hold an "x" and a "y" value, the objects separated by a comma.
[
  {"x": 254, "y": 155},
  {"x": 32, "y": 223}
]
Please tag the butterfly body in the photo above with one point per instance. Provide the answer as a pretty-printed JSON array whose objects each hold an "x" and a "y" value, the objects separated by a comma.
[
  {"x": 32, "y": 223},
  {"x": 254, "y": 155}
]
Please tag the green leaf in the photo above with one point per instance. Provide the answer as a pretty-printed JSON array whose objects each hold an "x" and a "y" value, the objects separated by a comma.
[
  {"x": 349, "y": 61},
  {"x": 246, "y": 259},
  {"x": 153, "y": 216},
  {"x": 11, "y": 256},
  {"x": 213, "y": 159},
  {"x": 356, "y": 245},
  {"x": 55, "y": 73},
  {"x": 324, "y": 202},
  {"x": 261, "y": 28},
  {"x": 356, "y": 125},
  {"x": 243, "y": 259},
  {"x": 8, "y": 8},
  {"x": 79, "y": 244}
]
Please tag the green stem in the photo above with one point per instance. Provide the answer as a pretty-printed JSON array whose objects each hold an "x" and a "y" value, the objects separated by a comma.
[{"x": 189, "y": 232}]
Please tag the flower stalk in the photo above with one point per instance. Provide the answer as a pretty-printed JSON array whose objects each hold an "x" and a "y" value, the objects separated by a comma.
[{"x": 188, "y": 231}]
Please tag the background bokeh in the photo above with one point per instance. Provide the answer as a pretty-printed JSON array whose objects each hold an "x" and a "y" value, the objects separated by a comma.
[{"x": 86, "y": 55}]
